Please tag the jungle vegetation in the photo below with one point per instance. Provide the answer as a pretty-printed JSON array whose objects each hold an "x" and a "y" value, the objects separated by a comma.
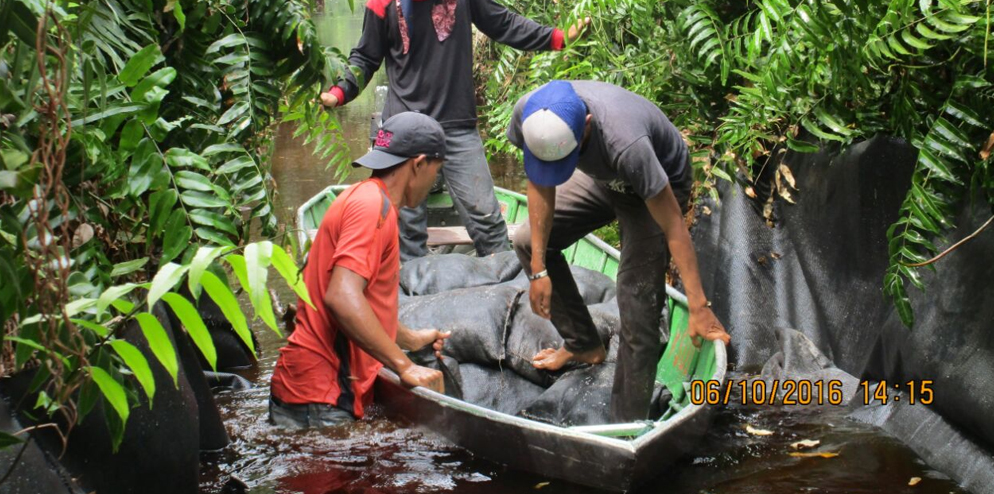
[
  {"x": 134, "y": 146},
  {"x": 748, "y": 81}
]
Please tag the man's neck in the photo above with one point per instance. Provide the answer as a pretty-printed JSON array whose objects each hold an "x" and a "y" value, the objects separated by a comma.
[{"x": 396, "y": 183}]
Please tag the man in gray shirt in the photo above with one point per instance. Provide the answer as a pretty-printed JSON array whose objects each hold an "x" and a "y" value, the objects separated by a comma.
[{"x": 595, "y": 152}]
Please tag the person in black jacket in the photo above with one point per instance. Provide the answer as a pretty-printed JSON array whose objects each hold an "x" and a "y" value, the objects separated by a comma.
[{"x": 428, "y": 48}]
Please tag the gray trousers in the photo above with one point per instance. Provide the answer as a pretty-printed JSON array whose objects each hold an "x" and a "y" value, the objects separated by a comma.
[
  {"x": 582, "y": 206},
  {"x": 472, "y": 189},
  {"x": 306, "y": 416}
]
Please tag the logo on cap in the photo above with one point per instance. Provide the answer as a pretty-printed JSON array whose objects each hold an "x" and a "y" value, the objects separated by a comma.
[{"x": 383, "y": 138}]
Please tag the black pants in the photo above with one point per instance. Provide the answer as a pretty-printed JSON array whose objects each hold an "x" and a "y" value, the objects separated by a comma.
[
  {"x": 307, "y": 416},
  {"x": 582, "y": 206}
]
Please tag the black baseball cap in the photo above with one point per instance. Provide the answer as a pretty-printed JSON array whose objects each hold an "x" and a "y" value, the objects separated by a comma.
[{"x": 403, "y": 136}]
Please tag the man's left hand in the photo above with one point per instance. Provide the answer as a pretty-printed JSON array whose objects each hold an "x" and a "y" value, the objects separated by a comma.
[{"x": 704, "y": 324}]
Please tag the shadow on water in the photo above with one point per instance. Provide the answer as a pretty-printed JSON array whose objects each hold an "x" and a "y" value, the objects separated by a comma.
[{"x": 378, "y": 455}]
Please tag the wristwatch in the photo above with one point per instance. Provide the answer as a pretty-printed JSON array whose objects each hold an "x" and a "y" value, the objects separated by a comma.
[{"x": 539, "y": 275}]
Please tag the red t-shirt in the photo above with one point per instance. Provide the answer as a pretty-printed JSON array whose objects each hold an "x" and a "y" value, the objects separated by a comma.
[{"x": 320, "y": 364}]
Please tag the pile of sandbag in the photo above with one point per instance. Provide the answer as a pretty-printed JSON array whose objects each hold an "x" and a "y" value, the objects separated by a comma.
[{"x": 488, "y": 359}]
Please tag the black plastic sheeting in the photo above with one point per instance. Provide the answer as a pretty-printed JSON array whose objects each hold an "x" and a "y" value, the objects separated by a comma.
[
  {"x": 161, "y": 447},
  {"x": 820, "y": 270}
]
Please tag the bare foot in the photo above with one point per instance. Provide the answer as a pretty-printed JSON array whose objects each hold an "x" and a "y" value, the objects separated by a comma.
[{"x": 554, "y": 359}]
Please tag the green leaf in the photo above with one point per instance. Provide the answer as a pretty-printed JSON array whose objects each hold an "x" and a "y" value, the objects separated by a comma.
[
  {"x": 122, "y": 109},
  {"x": 160, "y": 206},
  {"x": 208, "y": 218},
  {"x": 199, "y": 199},
  {"x": 139, "y": 64},
  {"x": 159, "y": 343},
  {"x": 201, "y": 260},
  {"x": 818, "y": 132},
  {"x": 228, "y": 304},
  {"x": 937, "y": 166},
  {"x": 128, "y": 267},
  {"x": 168, "y": 276},
  {"x": 801, "y": 146},
  {"x": 257, "y": 259},
  {"x": 111, "y": 294},
  {"x": 963, "y": 113},
  {"x": 226, "y": 147},
  {"x": 176, "y": 236},
  {"x": 193, "y": 181},
  {"x": 911, "y": 40},
  {"x": 233, "y": 113},
  {"x": 831, "y": 121},
  {"x": 112, "y": 390},
  {"x": 7, "y": 440},
  {"x": 294, "y": 277},
  {"x": 135, "y": 361},
  {"x": 188, "y": 315},
  {"x": 236, "y": 164},
  {"x": 184, "y": 158},
  {"x": 213, "y": 236},
  {"x": 99, "y": 329}
]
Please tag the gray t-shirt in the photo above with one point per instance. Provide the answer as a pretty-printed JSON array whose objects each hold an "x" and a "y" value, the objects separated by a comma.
[{"x": 633, "y": 147}]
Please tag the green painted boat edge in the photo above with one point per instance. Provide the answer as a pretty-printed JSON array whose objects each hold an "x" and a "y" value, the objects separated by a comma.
[{"x": 681, "y": 362}]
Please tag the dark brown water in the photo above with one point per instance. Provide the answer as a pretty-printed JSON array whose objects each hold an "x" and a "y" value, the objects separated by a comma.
[{"x": 381, "y": 456}]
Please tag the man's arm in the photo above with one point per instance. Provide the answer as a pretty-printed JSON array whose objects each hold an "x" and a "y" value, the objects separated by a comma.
[
  {"x": 541, "y": 208},
  {"x": 665, "y": 209},
  {"x": 364, "y": 60},
  {"x": 512, "y": 29},
  {"x": 346, "y": 301}
]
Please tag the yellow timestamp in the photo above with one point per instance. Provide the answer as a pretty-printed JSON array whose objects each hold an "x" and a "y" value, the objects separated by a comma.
[
  {"x": 775, "y": 392},
  {"x": 918, "y": 392}
]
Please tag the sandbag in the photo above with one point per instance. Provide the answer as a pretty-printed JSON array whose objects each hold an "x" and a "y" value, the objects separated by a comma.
[
  {"x": 528, "y": 334},
  {"x": 594, "y": 287},
  {"x": 434, "y": 274},
  {"x": 580, "y": 396},
  {"x": 496, "y": 389},
  {"x": 477, "y": 318}
]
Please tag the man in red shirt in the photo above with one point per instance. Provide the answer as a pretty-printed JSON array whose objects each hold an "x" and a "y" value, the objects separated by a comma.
[{"x": 325, "y": 373}]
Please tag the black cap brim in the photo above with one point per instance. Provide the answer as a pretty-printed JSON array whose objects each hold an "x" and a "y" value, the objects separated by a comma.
[{"x": 379, "y": 160}]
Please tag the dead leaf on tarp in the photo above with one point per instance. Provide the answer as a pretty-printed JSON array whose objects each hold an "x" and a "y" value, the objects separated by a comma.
[
  {"x": 758, "y": 432},
  {"x": 768, "y": 212},
  {"x": 823, "y": 454},
  {"x": 707, "y": 211},
  {"x": 805, "y": 444},
  {"x": 787, "y": 175},
  {"x": 751, "y": 192},
  {"x": 914, "y": 481},
  {"x": 985, "y": 151},
  {"x": 776, "y": 255},
  {"x": 541, "y": 485}
]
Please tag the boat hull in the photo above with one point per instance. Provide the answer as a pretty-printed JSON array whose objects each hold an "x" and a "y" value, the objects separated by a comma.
[{"x": 613, "y": 464}]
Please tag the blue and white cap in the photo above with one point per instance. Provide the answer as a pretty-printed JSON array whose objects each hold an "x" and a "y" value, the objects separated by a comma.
[{"x": 552, "y": 127}]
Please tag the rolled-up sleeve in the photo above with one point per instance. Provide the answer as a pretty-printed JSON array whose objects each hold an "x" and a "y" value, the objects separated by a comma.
[{"x": 368, "y": 54}]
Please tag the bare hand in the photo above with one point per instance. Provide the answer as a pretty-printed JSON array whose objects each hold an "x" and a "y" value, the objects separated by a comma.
[
  {"x": 328, "y": 99},
  {"x": 415, "y": 375},
  {"x": 704, "y": 324},
  {"x": 540, "y": 295},
  {"x": 577, "y": 30},
  {"x": 433, "y": 337}
]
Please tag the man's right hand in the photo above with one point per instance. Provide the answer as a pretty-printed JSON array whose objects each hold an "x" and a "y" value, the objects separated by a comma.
[
  {"x": 540, "y": 294},
  {"x": 328, "y": 99},
  {"x": 415, "y": 375}
]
